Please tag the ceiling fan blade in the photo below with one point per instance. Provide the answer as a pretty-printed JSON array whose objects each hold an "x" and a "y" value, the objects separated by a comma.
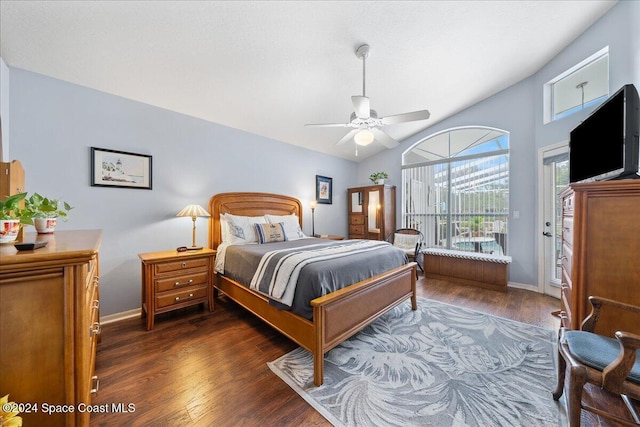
[
  {"x": 349, "y": 136},
  {"x": 329, "y": 125},
  {"x": 383, "y": 138},
  {"x": 361, "y": 106},
  {"x": 406, "y": 117}
]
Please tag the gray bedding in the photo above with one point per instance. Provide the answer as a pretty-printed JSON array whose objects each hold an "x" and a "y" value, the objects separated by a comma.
[{"x": 318, "y": 278}]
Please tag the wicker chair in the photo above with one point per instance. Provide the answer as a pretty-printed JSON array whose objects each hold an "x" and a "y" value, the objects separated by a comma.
[
  {"x": 410, "y": 240},
  {"x": 612, "y": 364}
]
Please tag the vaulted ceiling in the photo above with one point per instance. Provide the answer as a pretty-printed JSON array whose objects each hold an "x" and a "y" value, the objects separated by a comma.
[{"x": 270, "y": 67}]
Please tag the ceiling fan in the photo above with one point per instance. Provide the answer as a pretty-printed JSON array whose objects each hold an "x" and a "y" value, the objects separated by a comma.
[{"x": 365, "y": 121}]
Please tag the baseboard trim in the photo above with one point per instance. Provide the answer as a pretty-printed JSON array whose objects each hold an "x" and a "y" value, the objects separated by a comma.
[
  {"x": 526, "y": 287},
  {"x": 116, "y": 317}
]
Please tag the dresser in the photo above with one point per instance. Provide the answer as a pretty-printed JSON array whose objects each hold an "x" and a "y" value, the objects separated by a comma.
[
  {"x": 601, "y": 252},
  {"x": 173, "y": 280},
  {"x": 49, "y": 315},
  {"x": 372, "y": 211}
]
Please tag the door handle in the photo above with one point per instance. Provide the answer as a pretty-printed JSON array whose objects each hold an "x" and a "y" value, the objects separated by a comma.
[{"x": 546, "y": 233}]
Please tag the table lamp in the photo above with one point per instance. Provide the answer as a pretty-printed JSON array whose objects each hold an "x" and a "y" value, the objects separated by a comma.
[
  {"x": 313, "y": 203},
  {"x": 193, "y": 211}
]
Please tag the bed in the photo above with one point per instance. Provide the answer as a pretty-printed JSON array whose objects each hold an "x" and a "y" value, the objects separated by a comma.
[{"x": 336, "y": 316}]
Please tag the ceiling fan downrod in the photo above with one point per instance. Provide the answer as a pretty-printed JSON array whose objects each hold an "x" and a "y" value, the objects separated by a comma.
[{"x": 362, "y": 52}]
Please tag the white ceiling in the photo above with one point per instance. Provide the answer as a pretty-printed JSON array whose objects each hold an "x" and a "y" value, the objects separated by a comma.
[{"x": 270, "y": 67}]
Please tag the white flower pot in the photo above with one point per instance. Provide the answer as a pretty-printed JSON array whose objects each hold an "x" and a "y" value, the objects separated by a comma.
[
  {"x": 45, "y": 225},
  {"x": 381, "y": 181},
  {"x": 9, "y": 229}
]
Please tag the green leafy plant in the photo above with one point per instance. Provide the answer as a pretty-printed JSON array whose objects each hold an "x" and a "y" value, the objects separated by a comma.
[
  {"x": 38, "y": 206},
  {"x": 374, "y": 177},
  {"x": 10, "y": 208}
]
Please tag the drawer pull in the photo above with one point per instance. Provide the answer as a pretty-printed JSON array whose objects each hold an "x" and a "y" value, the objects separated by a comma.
[
  {"x": 188, "y": 282},
  {"x": 94, "y": 329},
  {"x": 96, "y": 384},
  {"x": 178, "y": 298},
  {"x": 183, "y": 265}
]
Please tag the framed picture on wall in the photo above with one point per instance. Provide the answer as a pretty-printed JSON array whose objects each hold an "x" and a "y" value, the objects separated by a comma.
[
  {"x": 111, "y": 168},
  {"x": 324, "y": 189}
]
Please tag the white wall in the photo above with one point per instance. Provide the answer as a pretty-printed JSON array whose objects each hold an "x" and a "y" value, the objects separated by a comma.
[
  {"x": 55, "y": 123},
  {"x": 518, "y": 110}
]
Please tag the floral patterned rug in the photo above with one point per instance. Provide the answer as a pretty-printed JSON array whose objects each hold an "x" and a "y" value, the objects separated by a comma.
[{"x": 438, "y": 366}]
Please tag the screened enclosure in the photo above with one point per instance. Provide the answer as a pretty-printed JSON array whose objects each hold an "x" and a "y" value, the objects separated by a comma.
[{"x": 455, "y": 189}]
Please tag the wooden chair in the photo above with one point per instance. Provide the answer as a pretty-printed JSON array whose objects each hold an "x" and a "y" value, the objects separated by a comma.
[
  {"x": 411, "y": 244},
  {"x": 612, "y": 364}
]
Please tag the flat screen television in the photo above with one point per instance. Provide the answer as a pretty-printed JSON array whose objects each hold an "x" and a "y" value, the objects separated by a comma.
[{"x": 605, "y": 145}]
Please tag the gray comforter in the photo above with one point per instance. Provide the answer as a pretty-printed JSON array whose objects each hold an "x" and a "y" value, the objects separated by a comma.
[{"x": 318, "y": 278}]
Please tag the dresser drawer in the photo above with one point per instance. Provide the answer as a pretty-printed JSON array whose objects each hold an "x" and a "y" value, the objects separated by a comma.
[
  {"x": 168, "y": 267},
  {"x": 567, "y": 258},
  {"x": 565, "y": 306},
  {"x": 181, "y": 281},
  {"x": 186, "y": 295},
  {"x": 567, "y": 205},
  {"x": 356, "y": 219},
  {"x": 356, "y": 230},
  {"x": 567, "y": 230}
]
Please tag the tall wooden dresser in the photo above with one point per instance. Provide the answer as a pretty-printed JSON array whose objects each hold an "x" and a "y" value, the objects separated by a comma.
[
  {"x": 601, "y": 251},
  {"x": 49, "y": 320},
  {"x": 372, "y": 211}
]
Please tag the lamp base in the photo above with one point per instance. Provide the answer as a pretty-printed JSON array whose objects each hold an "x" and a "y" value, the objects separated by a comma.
[{"x": 194, "y": 248}]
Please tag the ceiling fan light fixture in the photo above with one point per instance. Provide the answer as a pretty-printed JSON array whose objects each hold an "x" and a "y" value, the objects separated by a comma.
[{"x": 364, "y": 137}]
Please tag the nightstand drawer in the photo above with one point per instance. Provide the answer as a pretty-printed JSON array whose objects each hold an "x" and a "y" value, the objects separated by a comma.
[
  {"x": 179, "y": 282},
  {"x": 167, "y": 267},
  {"x": 189, "y": 294}
]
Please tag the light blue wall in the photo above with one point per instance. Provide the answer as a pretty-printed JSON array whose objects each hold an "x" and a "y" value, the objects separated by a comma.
[
  {"x": 518, "y": 110},
  {"x": 55, "y": 123},
  {"x": 4, "y": 108}
]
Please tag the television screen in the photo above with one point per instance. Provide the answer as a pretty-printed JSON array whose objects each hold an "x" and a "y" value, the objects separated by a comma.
[{"x": 603, "y": 146}]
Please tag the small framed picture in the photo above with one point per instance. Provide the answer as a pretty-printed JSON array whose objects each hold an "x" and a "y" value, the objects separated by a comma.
[
  {"x": 324, "y": 189},
  {"x": 111, "y": 168}
]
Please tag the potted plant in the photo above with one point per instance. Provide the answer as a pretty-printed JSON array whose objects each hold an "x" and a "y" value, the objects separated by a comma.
[
  {"x": 378, "y": 177},
  {"x": 11, "y": 217},
  {"x": 45, "y": 212}
]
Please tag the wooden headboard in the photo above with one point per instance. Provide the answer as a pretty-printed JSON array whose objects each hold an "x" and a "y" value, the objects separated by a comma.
[{"x": 248, "y": 204}]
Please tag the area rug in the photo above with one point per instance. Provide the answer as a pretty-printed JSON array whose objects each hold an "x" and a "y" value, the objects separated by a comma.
[{"x": 438, "y": 366}]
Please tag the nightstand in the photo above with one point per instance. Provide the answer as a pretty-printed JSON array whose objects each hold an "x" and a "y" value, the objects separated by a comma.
[
  {"x": 328, "y": 236},
  {"x": 173, "y": 280}
]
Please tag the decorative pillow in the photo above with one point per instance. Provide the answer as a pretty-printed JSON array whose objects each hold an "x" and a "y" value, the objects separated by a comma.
[
  {"x": 269, "y": 233},
  {"x": 291, "y": 225},
  {"x": 241, "y": 228},
  {"x": 406, "y": 242}
]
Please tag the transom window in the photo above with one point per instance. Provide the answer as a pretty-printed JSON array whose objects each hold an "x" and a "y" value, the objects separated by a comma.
[
  {"x": 582, "y": 86},
  {"x": 456, "y": 189}
]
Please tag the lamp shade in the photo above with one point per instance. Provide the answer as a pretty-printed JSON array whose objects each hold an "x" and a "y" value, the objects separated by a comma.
[
  {"x": 364, "y": 137},
  {"x": 193, "y": 211}
]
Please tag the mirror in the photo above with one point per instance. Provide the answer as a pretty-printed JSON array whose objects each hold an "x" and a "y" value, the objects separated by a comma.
[
  {"x": 356, "y": 201},
  {"x": 373, "y": 210}
]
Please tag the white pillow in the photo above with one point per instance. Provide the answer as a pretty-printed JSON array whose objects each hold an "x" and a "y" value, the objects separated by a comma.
[
  {"x": 406, "y": 242},
  {"x": 241, "y": 228},
  {"x": 291, "y": 225}
]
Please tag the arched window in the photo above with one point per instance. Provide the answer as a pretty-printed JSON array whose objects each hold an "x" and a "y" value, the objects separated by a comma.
[{"x": 456, "y": 189}]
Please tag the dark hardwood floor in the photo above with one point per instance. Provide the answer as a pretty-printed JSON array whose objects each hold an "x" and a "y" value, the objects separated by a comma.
[{"x": 197, "y": 368}]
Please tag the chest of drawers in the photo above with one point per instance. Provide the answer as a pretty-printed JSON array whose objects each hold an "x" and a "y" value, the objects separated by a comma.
[
  {"x": 173, "y": 280},
  {"x": 50, "y": 325}
]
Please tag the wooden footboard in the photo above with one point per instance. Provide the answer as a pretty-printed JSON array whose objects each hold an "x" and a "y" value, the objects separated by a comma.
[
  {"x": 336, "y": 316},
  {"x": 341, "y": 314}
]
